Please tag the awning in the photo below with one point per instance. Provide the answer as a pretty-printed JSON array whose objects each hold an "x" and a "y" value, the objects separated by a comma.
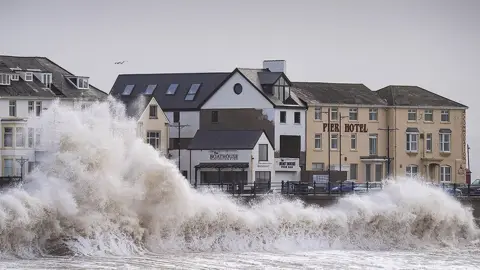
[
  {"x": 222, "y": 165},
  {"x": 412, "y": 130},
  {"x": 445, "y": 130}
]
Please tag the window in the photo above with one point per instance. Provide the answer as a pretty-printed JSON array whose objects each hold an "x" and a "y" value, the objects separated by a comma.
[
  {"x": 192, "y": 92},
  {"x": 128, "y": 90},
  {"x": 19, "y": 137},
  {"x": 12, "y": 108},
  {"x": 28, "y": 76},
  {"x": 153, "y": 138},
  {"x": 31, "y": 107},
  {"x": 30, "y": 166},
  {"x": 318, "y": 113},
  {"x": 334, "y": 114},
  {"x": 412, "y": 142},
  {"x": 82, "y": 83},
  {"x": 38, "y": 108},
  {"x": 263, "y": 152},
  {"x": 4, "y": 79},
  {"x": 297, "y": 118},
  {"x": 18, "y": 167},
  {"x": 368, "y": 172},
  {"x": 318, "y": 141},
  {"x": 47, "y": 79},
  {"x": 153, "y": 112},
  {"x": 30, "y": 137},
  {"x": 378, "y": 172},
  {"x": 7, "y": 137},
  {"x": 445, "y": 173},
  {"x": 412, "y": 115},
  {"x": 172, "y": 89},
  {"x": 283, "y": 117},
  {"x": 318, "y": 166},
  {"x": 8, "y": 167},
  {"x": 150, "y": 89},
  {"x": 372, "y": 144},
  {"x": 38, "y": 136},
  {"x": 428, "y": 115},
  {"x": 176, "y": 117},
  {"x": 445, "y": 142},
  {"x": 445, "y": 116},
  {"x": 353, "y": 141},
  {"x": 373, "y": 114},
  {"x": 281, "y": 89},
  {"x": 262, "y": 177},
  {"x": 412, "y": 171},
  {"x": 214, "y": 116},
  {"x": 353, "y": 171},
  {"x": 428, "y": 143},
  {"x": 353, "y": 114},
  {"x": 334, "y": 141},
  {"x": 14, "y": 77}
]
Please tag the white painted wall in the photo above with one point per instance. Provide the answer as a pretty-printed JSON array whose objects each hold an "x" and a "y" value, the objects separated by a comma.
[
  {"x": 160, "y": 124},
  {"x": 290, "y": 128},
  {"x": 189, "y": 118},
  {"x": 225, "y": 98}
]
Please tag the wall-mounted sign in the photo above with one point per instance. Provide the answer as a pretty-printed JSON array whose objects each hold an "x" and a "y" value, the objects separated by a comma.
[
  {"x": 223, "y": 155},
  {"x": 335, "y": 127},
  {"x": 287, "y": 164}
]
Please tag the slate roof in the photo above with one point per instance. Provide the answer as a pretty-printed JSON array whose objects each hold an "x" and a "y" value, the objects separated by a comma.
[
  {"x": 225, "y": 139},
  {"x": 269, "y": 77},
  {"x": 336, "y": 93},
  {"x": 209, "y": 83},
  {"x": 255, "y": 75},
  {"x": 61, "y": 87},
  {"x": 135, "y": 106},
  {"x": 406, "y": 95}
]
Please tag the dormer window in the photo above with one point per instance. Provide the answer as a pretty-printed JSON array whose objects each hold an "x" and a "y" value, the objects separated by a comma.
[
  {"x": 47, "y": 79},
  {"x": 79, "y": 82},
  {"x": 15, "y": 77},
  {"x": 28, "y": 76},
  {"x": 281, "y": 89},
  {"x": 4, "y": 79}
]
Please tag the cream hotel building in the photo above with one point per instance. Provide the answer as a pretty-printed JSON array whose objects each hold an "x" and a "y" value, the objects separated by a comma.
[{"x": 396, "y": 131}]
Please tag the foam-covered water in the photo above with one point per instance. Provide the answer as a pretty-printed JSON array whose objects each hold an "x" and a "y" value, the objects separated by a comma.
[{"x": 102, "y": 191}]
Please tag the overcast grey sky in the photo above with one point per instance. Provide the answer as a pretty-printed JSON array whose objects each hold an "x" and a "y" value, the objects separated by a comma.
[{"x": 431, "y": 43}]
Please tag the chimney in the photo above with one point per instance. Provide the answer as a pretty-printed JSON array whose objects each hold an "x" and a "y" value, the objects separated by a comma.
[{"x": 275, "y": 65}]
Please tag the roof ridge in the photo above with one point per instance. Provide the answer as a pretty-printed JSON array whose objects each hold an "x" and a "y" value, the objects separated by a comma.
[{"x": 175, "y": 73}]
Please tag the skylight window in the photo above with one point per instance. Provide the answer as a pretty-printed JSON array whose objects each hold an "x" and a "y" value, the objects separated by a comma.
[
  {"x": 128, "y": 90},
  {"x": 172, "y": 89},
  {"x": 192, "y": 92},
  {"x": 150, "y": 89}
]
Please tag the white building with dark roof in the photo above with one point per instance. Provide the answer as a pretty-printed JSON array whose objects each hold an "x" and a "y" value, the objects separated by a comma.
[{"x": 28, "y": 86}]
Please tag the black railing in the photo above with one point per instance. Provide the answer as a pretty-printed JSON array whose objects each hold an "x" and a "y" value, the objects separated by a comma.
[{"x": 9, "y": 180}]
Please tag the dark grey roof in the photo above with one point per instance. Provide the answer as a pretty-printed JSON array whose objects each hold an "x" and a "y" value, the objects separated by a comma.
[
  {"x": 209, "y": 83},
  {"x": 336, "y": 93},
  {"x": 224, "y": 139},
  {"x": 135, "y": 106},
  {"x": 60, "y": 88},
  {"x": 404, "y": 95},
  {"x": 268, "y": 77},
  {"x": 4, "y": 68}
]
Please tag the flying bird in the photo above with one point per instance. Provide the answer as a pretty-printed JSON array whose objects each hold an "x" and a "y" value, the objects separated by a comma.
[{"x": 120, "y": 63}]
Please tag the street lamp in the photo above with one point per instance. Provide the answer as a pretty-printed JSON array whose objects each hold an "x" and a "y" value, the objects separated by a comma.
[
  {"x": 22, "y": 162},
  {"x": 340, "y": 117}
]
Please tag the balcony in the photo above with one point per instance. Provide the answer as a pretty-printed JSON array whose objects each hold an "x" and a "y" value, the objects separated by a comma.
[{"x": 287, "y": 164}]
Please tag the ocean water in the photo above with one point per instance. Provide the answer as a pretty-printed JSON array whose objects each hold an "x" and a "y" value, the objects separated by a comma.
[{"x": 103, "y": 199}]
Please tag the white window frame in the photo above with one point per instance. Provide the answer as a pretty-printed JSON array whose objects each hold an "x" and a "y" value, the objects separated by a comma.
[
  {"x": 19, "y": 137},
  {"x": 155, "y": 137},
  {"x": 445, "y": 139},
  {"x": 11, "y": 134},
  {"x": 409, "y": 171},
  {"x": 8, "y": 171},
  {"x": 38, "y": 108},
  {"x": 28, "y": 76},
  {"x": 30, "y": 138},
  {"x": 373, "y": 112},
  {"x": 15, "y": 77},
  {"x": 444, "y": 113},
  {"x": 355, "y": 165},
  {"x": 430, "y": 113},
  {"x": 47, "y": 79},
  {"x": 5, "y": 79},
  {"x": 333, "y": 112},
  {"x": 353, "y": 114},
  {"x": 353, "y": 141},
  {"x": 265, "y": 148},
  {"x": 155, "y": 110},
  {"x": 82, "y": 83},
  {"x": 411, "y": 142},
  {"x": 31, "y": 107},
  {"x": 334, "y": 138},
  {"x": 412, "y": 112},
  {"x": 373, "y": 137},
  {"x": 12, "y": 108},
  {"x": 318, "y": 166},
  {"x": 318, "y": 114},
  {"x": 429, "y": 142},
  {"x": 445, "y": 173},
  {"x": 317, "y": 141}
]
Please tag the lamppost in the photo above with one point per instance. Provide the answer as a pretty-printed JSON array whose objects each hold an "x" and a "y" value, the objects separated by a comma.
[
  {"x": 388, "y": 129},
  {"x": 22, "y": 162},
  {"x": 340, "y": 117},
  {"x": 179, "y": 127},
  {"x": 328, "y": 140}
]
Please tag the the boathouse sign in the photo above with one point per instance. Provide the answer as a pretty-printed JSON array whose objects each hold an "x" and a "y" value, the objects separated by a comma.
[
  {"x": 223, "y": 155},
  {"x": 335, "y": 127}
]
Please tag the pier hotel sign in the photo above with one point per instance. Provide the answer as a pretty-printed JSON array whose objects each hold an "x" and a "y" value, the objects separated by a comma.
[
  {"x": 335, "y": 127},
  {"x": 223, "y": 155}
]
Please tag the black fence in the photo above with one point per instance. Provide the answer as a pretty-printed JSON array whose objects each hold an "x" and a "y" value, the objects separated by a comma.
[
  {"x": 328, "y": 188},
  {"x": 6, "y": 181}
]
